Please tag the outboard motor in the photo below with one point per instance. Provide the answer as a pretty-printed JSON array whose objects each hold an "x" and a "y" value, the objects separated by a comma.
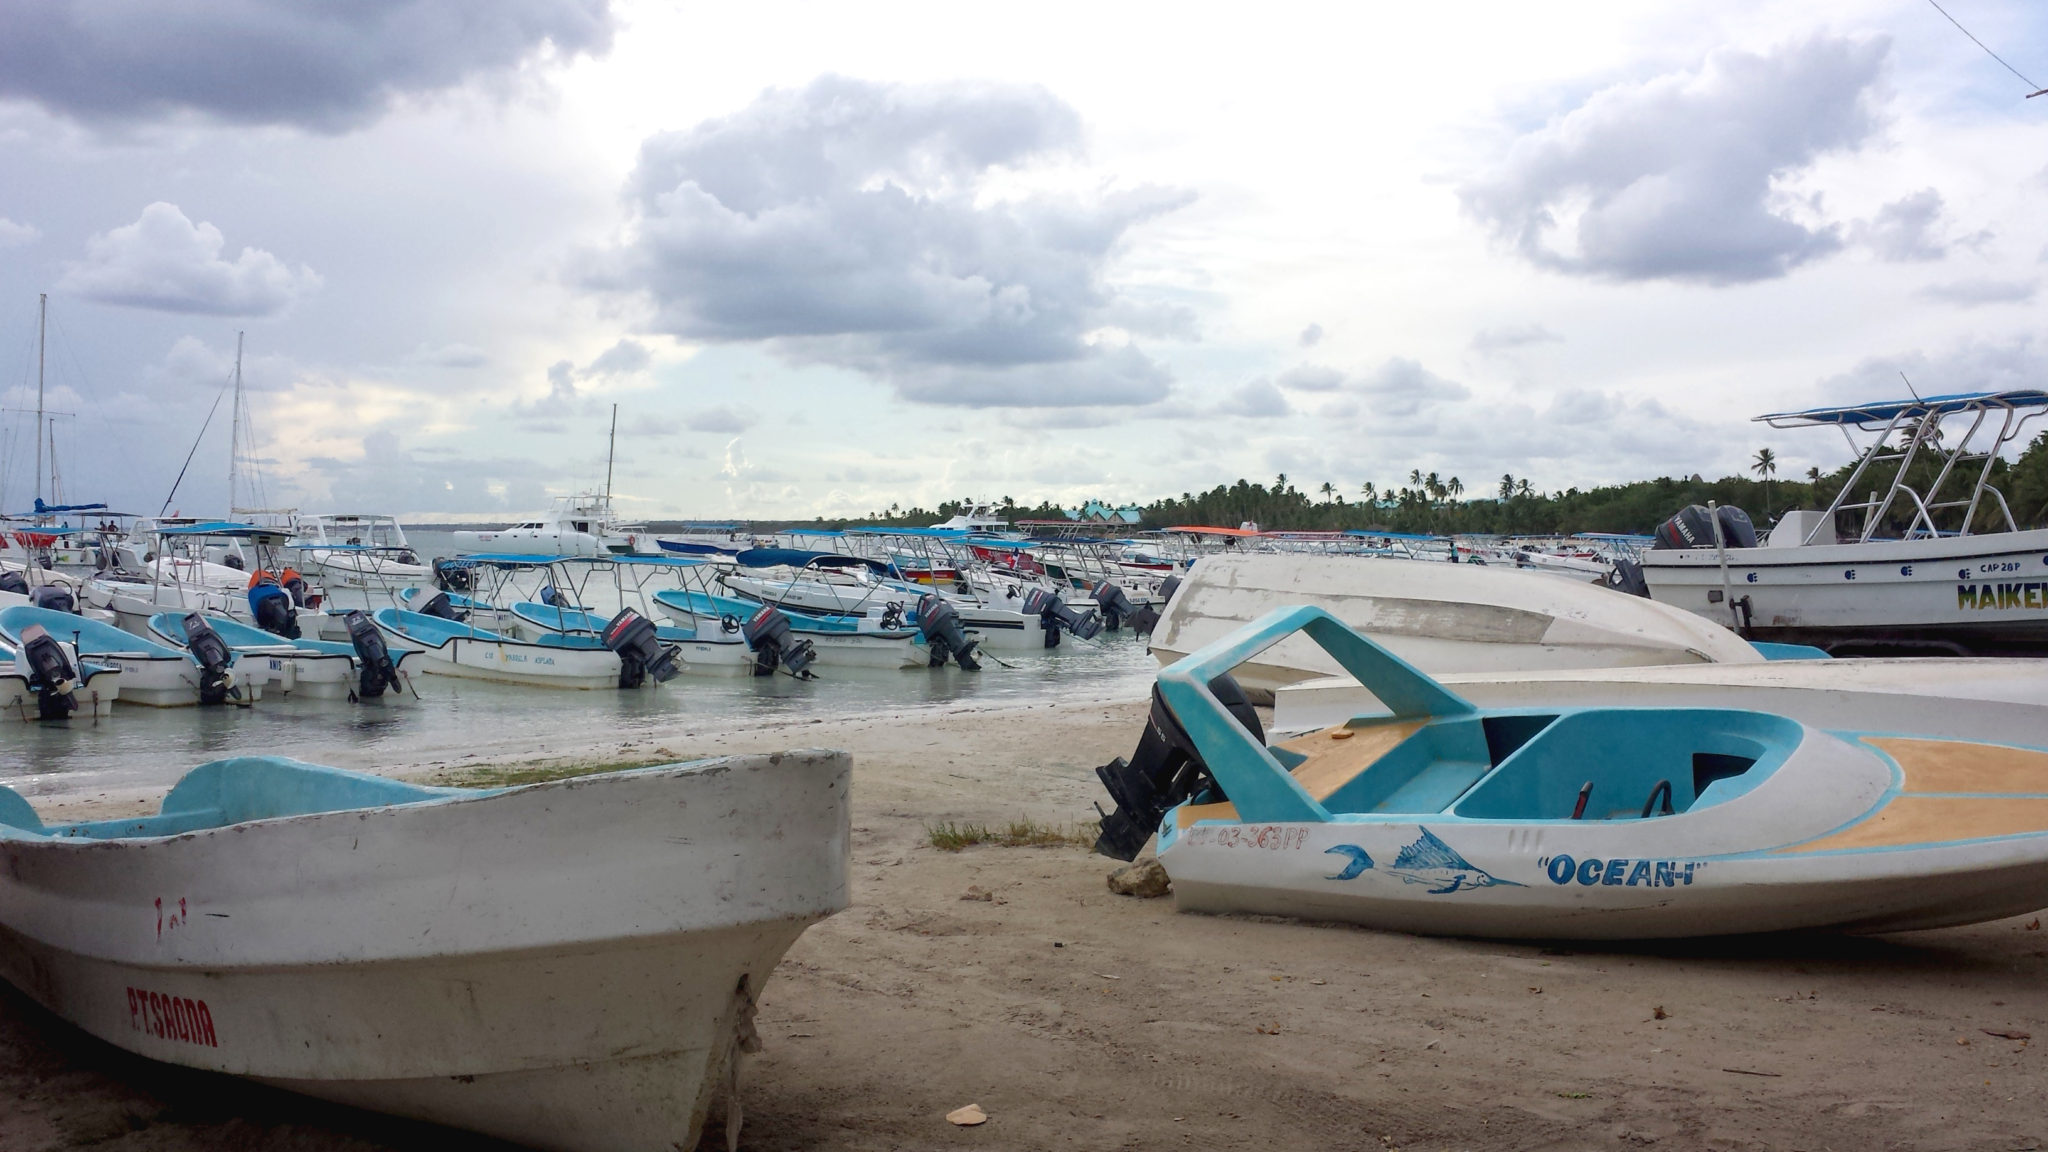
[
  {"x": 641, "y": 652},
  {"x": 216, "y": 680},
  {"x": 1053, "y": 614},
  {"x": 1626, "y": 576},
  {"x": 271, "y": 607},
  {"x": 233, "y": 561},
  {"x": 1164, "y": 771},
  {"x": 940, "y": 623},
  {"x": 450, "y": 576},
  {"x": 438, "y": 605},
  {"x": 1167, "y": 588},
  {"x": 294, "y": 585},
  {"x": 15, "y": 582},
  {"x": 1115, "y": 605},
  {"x": 51, "y": 674},
  {"x": 1144, "y": 620},
  {"x": 767, "y": 636},
  {"x": 1694, "y": 528},
  {"x": 378, "y": 670},
  {"x": 552, "y": 598},
  {"x": 55, "y": 597}
]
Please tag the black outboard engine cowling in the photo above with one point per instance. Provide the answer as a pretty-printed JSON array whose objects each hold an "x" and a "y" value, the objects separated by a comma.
[
  {"x": 378, "y": 670},
  {"x": 1144, "y": 620},
  {"x": 15, "y": 582},
  {"x": 641, "y": 652},
  {"x": 1167, "y": 588},
  {"x": 275, "y": 614},
  {"x": 1164, "y": 771},
  {"x": 439, "y": 605},
  {"x": 767, "y": 635},
  {"x": 216, "y": 680},
  {"x": 51, "y": 675},
  {"x": 940, "y": 623},
  {"x": 54, "y": 597},
  {"x": 1626, "y": 576},
  {"x": 1114, "y": 603},
  {"x": 1053, "y": 614},
  {"x": 295, "y": 587},
  {"x": 1693, "y": 527},
  {"x": 453, "y": 577}
]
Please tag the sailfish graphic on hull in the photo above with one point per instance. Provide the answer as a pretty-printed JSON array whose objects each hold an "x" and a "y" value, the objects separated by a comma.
[{"x": 1431, "y": 861}]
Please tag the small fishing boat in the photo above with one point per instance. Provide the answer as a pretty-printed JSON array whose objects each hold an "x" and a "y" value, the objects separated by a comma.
[
  {"x": 320, "y": 669},
  {"x": 1439, "y": 617},
  {"x": 151, "y": 673},
  {"x": 1430, "y": 814},
  {"x": 460, "y": 648},
  {"x": 840, "y": 641},
  {"x": 570, "y": 965},
  {"x": 704, "y": 649},
  {"x": 94, "y": 693}
]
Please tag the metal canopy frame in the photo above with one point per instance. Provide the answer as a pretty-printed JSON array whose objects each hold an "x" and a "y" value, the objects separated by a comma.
[{"x": 1918, "y": 425}]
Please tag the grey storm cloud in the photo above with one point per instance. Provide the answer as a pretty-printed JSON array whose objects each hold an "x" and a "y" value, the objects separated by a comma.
[
  {"x": 1679, "y": 177},
  {"x": 1906, "y": 229},
  {"x": 849, "y": 223},
  {"x": 166, "y": 263},
  {"x": 1256, "y": 399},
  {"x": 1977, "y": 292},
  {"x": 324, "y": 66}
]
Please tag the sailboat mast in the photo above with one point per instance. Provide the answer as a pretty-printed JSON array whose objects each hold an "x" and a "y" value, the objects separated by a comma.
[
  {"x": 42, "y": 338},
  {"x": 235, "y": 429},
  {"x": 610, "y": 451}
]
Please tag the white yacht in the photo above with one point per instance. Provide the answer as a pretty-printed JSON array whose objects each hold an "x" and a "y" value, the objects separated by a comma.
[
  {"x": 580, "y": 525},
  {"x": 360, "y": 551}
]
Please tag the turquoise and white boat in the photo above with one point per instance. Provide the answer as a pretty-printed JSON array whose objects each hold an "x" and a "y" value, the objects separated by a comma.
[
  {"x": 840, "y": 641},
  {"x": 461, "y": 648},
  {"x": 1429, "y": 814},
  {"x": 703, "y": 649},
  {"x": 570, "y": 965},
  {"x": 319, "y": 669},
  {"x": 151, "y": 673}
]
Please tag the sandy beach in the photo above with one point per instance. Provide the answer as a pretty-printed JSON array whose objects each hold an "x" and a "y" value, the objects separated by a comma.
[{"x": 1012, "y": 978}]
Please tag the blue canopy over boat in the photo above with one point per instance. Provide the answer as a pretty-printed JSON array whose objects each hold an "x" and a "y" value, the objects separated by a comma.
[
  {"x": 706, "y": 606},
  {"x": 583, "y": 622},
  {"x": 1885, "y": 411}
]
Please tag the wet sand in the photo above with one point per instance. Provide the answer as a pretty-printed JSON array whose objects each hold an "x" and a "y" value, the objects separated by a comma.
[{"x": 1081, "y": 1019}]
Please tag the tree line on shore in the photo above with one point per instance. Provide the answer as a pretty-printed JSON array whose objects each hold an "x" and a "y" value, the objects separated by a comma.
[{"x": 1427, "y": 503}]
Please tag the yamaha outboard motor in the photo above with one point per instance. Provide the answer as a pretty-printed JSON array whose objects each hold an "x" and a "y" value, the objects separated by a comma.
[
  {"x": 767, "y": 636},
  {"x": 1694, "y": 528},
  {"x": 51, "y": 674},
  {"x": 641, "y": 652},
  {"x": 940, "y": 623},
  {"x": 54, "y": 597},
  {"x": 438, "y": 605},
  {"x": 271, "y": 606},
  {"x": 15, "y": 582},
  {"x": 1626, "y": 576},
  {"x": 1164, "y": 771},
  {"x": 1053, "y": 614},
  {"x": 216, "y": 680},
  {"x": 378, "y": 670},
  {"x": 1167, "y": 588},
  {"x": 1115, "y": 605}
]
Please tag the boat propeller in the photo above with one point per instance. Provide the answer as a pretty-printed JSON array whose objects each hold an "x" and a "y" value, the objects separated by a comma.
[
  {"x": 378, "y": 670},
  {"x": 51, "y": 673},
  {"x": 1165, "y": 770},
  {"x": 940, "y": 623},
  {"x": 215, "y": 660},
  {"x": 641, "y": 652}
]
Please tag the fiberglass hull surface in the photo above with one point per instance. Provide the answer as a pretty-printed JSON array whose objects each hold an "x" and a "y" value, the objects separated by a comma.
[
  {"x": 1440, "y": 618},
  {"x": 567, "y": 965}
]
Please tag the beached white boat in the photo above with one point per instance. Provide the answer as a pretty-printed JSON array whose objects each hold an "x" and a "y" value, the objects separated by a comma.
[
  {"x": 571, "y": 965},
  {"x": 705, "y": 650},
  {"x": 1886, "y": 568},
  {"x": 151, "y": 673},
  {"x": 458, "y": 648},
  {"x": 355, "y": 552},
  {"x": 1439, "y": 617},
  {"x": 840, "y": 642},
  {"x": 1429, "y": 814}
]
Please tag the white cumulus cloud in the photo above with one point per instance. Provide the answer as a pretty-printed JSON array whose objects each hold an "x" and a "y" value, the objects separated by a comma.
[{"x": 167, "y": 263}]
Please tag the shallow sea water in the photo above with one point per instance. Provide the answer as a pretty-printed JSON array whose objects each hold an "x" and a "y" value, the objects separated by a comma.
[{"x": 151, "y": 747}]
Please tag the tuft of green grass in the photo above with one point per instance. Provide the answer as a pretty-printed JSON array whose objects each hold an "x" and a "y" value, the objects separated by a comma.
[
  {"x": 951, "y": 837},
  {"x": 513, "y": 775}
]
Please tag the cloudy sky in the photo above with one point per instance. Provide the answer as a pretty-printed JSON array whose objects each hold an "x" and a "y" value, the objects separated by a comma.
[{"x": 827, "y": 257}]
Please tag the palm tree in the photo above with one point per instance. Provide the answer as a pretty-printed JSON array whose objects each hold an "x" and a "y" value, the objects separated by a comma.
[
  {"x": 1280, "y": 483},
  {"x": 1507, "y": 485},
  {"x": 1368, "y": 491},
  {"x": 1415, "y": 477},
  {"x": 1455, "y": 488},
  {"x": 1524, "y": 488},
  {"x": 1435, "y": 486},
  {"x": 1329, "y": 491},
  {"x": 1765, "y": 465}
]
